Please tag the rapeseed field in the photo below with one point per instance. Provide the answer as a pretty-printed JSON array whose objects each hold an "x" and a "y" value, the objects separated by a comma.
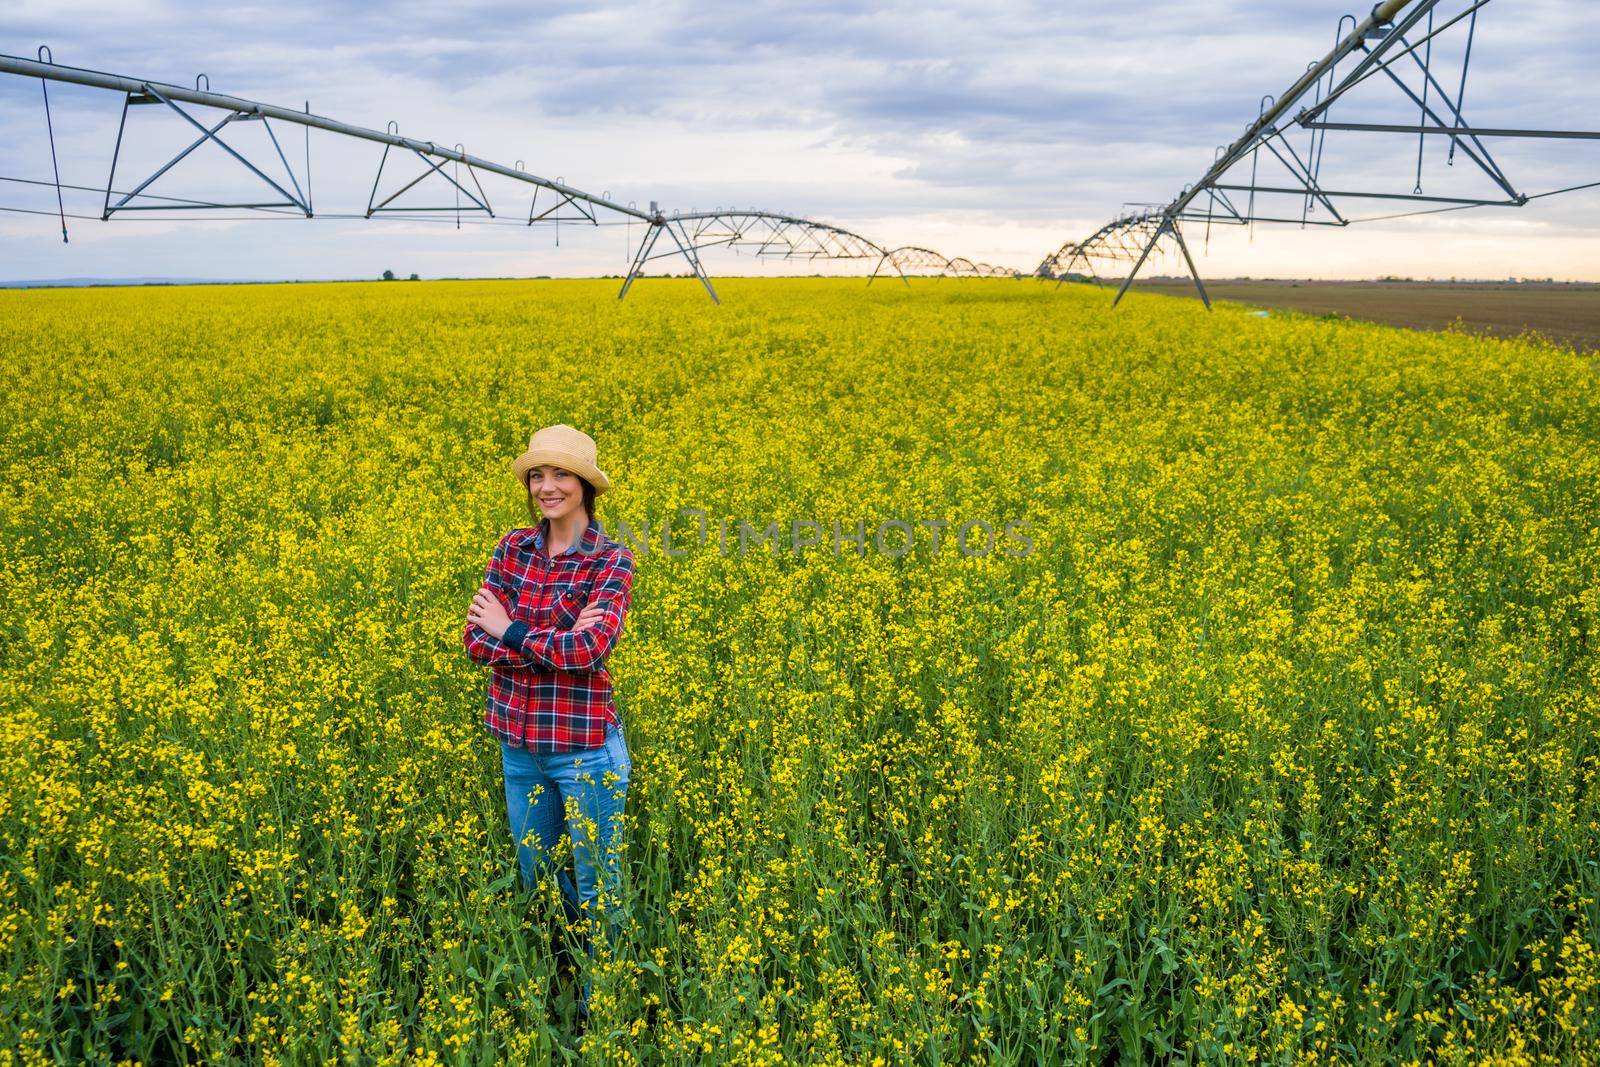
[{"x": 1266, "y": 733}]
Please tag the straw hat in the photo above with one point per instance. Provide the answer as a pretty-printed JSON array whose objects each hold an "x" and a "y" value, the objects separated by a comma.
[{"x": 562, "y": 446}]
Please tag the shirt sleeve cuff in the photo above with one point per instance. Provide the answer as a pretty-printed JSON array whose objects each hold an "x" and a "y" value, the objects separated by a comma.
[{"x": 513, "y": 636}]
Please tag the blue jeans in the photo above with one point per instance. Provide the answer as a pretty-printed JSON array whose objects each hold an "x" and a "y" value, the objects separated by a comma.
[{"x": 578, "y": 794}]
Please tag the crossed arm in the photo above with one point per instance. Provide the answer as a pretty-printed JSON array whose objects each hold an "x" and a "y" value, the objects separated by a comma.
[{"x": 545, "y": 647}]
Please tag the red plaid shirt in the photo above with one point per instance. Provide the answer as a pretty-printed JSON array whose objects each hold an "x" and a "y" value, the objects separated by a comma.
[{"x": 549, "y": 690}]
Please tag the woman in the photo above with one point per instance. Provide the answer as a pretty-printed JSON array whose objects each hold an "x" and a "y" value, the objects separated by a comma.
[{"x": 548, "y": 614}]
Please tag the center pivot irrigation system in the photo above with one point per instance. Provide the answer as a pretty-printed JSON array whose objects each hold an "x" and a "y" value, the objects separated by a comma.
[
  {"x": 762, "y": 233},
  {"x": 1395, "y": 48}
]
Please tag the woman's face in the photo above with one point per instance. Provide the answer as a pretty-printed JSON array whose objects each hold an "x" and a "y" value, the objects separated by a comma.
[{"x": 557, "y": 491}]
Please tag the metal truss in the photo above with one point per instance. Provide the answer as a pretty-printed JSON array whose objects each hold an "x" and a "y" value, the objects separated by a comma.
[
  {"x": 911, "y": 258},
  {"x": 917, "y": 260},
  {"x": 1121, "y": 239},
  {"x": 480, "y": 202},
  {"x": 1280, "y": 157},
  {"x": 766, "y": 233},
  {"x": 762, "y": 233},
  {"x": 149, "y": 94}
]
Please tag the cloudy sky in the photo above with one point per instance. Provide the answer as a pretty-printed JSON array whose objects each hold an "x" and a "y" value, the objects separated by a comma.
[{"x": 991, "y": 130}]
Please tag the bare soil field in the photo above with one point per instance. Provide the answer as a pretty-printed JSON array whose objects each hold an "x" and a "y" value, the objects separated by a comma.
[{"x": 1567, "y": 312}]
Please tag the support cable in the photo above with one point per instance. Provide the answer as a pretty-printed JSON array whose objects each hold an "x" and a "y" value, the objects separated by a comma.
[
  {"x": 49, "y": 124},
  {"x": 1461, "y": 91},
  {"x": 1427, "y": 61}
]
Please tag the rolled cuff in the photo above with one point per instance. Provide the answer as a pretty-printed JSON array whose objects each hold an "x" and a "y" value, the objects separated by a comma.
[{"x": 514, "y": 635}]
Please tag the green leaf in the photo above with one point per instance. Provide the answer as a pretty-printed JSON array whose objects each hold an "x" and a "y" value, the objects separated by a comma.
[{"x": 1109, "y": 986}]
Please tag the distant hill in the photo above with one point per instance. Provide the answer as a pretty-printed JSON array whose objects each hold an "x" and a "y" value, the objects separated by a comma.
[{"x": 45, "y": 283}]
